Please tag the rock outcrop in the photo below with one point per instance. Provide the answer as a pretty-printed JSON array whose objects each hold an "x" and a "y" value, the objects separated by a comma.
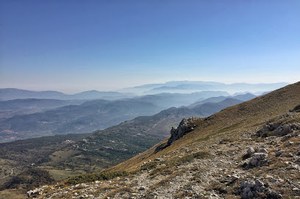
[
  {"x": 184, "y": 127},
  {"x": 277, "y": 129}
]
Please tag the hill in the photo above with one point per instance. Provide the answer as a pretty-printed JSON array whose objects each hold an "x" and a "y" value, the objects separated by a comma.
[
  {"x": 86, "y": 117},
  {"x": 19, "y": 160},
  {"x": 250, "y": 150},
  {"x": 198, "y": 86},
  {"x": 13, "y": 93},
  {"x": 241, "y": 97},
  {"x": 83, "y": 118},
  {"x": 167, "y": 100},
  {"x": 11, "y": 108}
]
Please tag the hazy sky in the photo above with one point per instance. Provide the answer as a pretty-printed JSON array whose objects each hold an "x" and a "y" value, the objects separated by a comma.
[{"x": 74, "y": 45}]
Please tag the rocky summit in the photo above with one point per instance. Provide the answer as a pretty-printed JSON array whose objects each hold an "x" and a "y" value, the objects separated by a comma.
[{"x": 248, "y": 151}]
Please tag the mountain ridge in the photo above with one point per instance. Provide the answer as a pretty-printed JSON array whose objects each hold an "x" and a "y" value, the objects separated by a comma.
[
  {"x": 14, "y": 93},
  {"x": 193, "y": 86},
  {"x": 91, "y": 115}
]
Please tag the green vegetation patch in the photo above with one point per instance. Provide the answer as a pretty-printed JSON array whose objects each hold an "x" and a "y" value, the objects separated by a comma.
[
  {"x": 95, "y": 176},
  {"x": 28, "y": 179},
  {"x": 188, "y": 158},
  {"x": 150, "y": 165}
]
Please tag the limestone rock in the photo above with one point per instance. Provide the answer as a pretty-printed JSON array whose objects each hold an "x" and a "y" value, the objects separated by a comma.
[
  {"x": 277, "y": 129},
  {"x": 256, "y": 189},
  {"x": 257, "y": 160},
  {"x": 184, "y": 127}
]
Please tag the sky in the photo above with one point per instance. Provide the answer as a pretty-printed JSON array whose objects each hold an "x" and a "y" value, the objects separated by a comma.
[{"x": 81, "y": 45}]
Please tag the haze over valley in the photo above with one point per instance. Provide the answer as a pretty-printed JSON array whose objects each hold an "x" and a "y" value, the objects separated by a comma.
[{"x": 29, "y": 114}]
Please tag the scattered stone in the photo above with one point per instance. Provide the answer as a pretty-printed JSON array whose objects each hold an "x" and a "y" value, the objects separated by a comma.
[
  {"x": 257, "y": 160},
  {"x": 289, "y": 143},
  {"x": 158, "y": 159},
  {"x": 255, "y": 189},
  {"x": 35, "y": 192},
  {"x": 249, "y": 153},
  {"x": 296, "y": 191},
  {"x": 262, "y": 150},
  {"x": 278, "y": 153},
  {"x": 277, "y": 129}
]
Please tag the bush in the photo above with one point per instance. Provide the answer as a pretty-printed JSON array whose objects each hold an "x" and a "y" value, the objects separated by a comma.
[
  {"x": 189, "y": 158},
  {"x": 96, "y": 176},
  {"x": 148, "y": 166}
]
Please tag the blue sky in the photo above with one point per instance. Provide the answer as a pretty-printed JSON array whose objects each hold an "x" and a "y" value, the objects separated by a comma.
[{"x": 109, "y": 44}]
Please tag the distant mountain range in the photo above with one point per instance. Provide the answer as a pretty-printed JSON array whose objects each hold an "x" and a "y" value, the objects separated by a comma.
[
  {"x": 94, "y": 115},
  {"x": 167, "y": 100},
  {"x": 147, "y": 89},
  {"x": 11, "y": 108},
  {"x": 13, "y": 93},
  {"x": 83, "y": 118},
  {"x": 197, "y": 86},
  {"x": 241, "y": 97}
]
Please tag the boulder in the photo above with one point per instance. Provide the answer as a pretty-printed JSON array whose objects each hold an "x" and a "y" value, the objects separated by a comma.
[
  {"x": 34, "y": 193},
  {"x": 256, "y": 160},
  {"x": 296, "y": 109},
  {"x": 250, "y": 151},
  {"x": 250, "y": 189},
  {"x": 277, "y": 129}
]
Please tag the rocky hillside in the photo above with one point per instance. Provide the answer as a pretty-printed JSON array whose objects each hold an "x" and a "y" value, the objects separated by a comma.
[{"x": 250, "y": 150}]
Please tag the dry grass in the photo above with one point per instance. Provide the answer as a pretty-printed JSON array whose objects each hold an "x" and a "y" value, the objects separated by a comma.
[
  {"x": 12, "y": 194},
  {"x": 119, "y": 191}
]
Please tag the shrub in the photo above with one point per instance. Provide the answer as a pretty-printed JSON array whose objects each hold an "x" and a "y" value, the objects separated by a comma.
[{"x": 95, "y": 176}]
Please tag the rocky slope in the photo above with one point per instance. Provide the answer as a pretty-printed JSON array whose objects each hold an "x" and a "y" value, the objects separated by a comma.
[{"x": 250, "y": 150}]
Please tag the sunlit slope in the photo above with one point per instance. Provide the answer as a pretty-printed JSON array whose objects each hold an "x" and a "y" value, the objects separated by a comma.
[{"x": 231, "y": 121}]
